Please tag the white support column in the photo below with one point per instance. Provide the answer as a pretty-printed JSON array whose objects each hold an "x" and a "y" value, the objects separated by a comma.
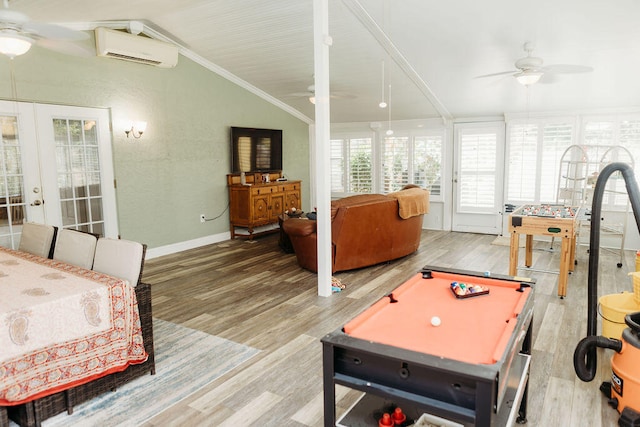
[{"x": 322, "y": 41}]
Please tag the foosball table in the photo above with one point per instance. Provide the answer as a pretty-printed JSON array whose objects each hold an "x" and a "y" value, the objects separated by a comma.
[{"x": 545, "y": 220}]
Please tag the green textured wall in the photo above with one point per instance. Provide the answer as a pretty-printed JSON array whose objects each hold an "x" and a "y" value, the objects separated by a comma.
[{"x": 177, "y": 170}]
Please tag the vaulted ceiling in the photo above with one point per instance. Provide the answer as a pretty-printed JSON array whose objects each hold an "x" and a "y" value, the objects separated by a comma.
[{"x": 433, "y": 51}]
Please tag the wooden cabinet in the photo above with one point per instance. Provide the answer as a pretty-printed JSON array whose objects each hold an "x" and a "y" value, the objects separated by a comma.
[{"x": 257, "y": 203}]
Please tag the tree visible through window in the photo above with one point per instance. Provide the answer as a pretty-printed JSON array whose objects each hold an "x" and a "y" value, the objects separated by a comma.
[{"x": 360, "y": 173}]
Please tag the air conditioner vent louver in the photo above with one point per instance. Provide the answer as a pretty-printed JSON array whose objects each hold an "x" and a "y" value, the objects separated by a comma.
[
  {"x": 132, "y": 58},
  {"x": 129, "y": 47}
]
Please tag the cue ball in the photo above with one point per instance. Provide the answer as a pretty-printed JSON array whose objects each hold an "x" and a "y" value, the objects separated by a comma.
[{"x": 435, "y": 321}]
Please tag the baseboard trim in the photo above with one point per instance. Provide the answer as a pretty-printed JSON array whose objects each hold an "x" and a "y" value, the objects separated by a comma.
[{"x": 189, "y": 244}]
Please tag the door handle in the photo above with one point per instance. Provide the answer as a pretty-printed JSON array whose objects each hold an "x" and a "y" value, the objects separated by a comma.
[{"x": 37, "y": 202}]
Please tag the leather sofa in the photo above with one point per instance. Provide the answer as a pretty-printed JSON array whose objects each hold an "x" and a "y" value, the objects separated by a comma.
[{"x": 366, "y": 230}]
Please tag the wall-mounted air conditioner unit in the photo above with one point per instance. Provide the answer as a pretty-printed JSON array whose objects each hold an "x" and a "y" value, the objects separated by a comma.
[{"x": 129, "y": 47}]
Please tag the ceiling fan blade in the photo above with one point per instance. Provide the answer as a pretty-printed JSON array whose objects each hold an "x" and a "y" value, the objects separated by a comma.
[
  {"x": 502, "y": 73},
  {"x": 55, "y": 32},
  {"x": 566, "y": 69},
  {"x": 342, "y": 95},
  {"x": 548, "y": 78},
  {"x": 300, "y": 94},
  {"x": 81, "y": 48}
]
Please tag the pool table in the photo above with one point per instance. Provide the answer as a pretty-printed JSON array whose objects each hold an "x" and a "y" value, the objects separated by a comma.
[{"x": 470, "y": 365}]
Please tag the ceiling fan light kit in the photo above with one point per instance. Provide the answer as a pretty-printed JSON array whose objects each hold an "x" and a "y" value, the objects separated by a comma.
[
  {"x": 530, "y": 69},
  {"x": 13, "y": 44},
  {"x": 527, "y": 78},
  {"x": 18, "y": 33}
]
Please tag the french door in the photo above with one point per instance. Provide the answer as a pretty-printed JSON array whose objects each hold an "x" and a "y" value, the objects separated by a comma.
[
  {"x": 56, "y": 168},
  {"x": 478, "y": 177}
]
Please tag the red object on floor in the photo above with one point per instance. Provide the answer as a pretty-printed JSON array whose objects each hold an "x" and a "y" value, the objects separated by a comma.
[
  {"x": 399, "y": 417},
  {"x": 385, "y": 421}
]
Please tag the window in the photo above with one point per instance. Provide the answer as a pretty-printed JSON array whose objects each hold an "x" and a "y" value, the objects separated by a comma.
[
  {"x": 360, "y": 173},
  {"x": 351, "y": 161},
  {"x": 337, "y": 151},
  {"x": 477, "y": 171},
  {"x": 607, "y": 141},
  {"x": 78, "y": 170},
  {"x": 395, "y": 163},
  {"x": 410, "y": 158},
  {"x": 557, "y": 137},
  {"x": 535, "y": 150},
  {"x": 427, "y": 162}
]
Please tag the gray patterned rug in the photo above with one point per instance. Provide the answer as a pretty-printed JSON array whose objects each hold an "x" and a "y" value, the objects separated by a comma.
[{"x": 186, "y": 360}]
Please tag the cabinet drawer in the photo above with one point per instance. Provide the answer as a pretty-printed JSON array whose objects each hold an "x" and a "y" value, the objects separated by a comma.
[
  {"x": 256, "y": 191},
  {"x": 290, "y": 187}
]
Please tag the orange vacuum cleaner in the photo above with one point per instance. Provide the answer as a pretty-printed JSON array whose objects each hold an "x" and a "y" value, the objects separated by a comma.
[{"x": 623, "y": 392}]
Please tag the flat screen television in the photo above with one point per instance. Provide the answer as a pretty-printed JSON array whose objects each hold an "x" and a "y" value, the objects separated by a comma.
[{"x": 256, "y": 150}]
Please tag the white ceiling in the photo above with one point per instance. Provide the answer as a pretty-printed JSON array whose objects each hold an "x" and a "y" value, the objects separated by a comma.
[{"x": 432, "y": 50}]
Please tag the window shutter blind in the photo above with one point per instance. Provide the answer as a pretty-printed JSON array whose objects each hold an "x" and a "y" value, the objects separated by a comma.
[
  {"x": 476, "y": 178},
  {"x": 395, "y": 163},
  {"x": 337, "y": 165},
  {"x": 523, "y": 149},
  {"x": 556, "y": 138},
  {"x": 427, "y": 161},
  {"x": 360, "y": 156}
]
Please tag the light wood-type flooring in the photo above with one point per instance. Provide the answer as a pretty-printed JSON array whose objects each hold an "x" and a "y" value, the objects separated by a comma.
[{"x": 255, "y": 294}]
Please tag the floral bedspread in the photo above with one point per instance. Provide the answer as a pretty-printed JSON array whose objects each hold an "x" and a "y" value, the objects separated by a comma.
[{"x": 61, "y": 326}]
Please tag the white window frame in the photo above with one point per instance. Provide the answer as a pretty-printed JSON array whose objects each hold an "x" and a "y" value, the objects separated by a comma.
[
  {"x": 378, "y": 135},
  {"x": 539, "y": 123}
]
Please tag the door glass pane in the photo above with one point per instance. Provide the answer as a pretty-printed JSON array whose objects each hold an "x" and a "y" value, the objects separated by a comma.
[
  {"x": 477, "y": 172},
  {"x": 11, "y": 184},
  {"x": 78, "y": 172}
]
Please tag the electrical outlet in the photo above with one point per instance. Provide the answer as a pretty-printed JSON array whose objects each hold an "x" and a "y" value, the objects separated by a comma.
[{"x": 202, "y": 218}]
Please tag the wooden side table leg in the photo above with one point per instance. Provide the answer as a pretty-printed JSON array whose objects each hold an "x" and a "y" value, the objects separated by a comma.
[
  {"x": 565, "y": 259},
  {"x": 529, "y": 251},
  {"x": 514, "y": 244}
]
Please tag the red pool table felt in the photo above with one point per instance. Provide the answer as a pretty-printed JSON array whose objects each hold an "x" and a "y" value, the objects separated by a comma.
[{"x": 474, "y": 330}]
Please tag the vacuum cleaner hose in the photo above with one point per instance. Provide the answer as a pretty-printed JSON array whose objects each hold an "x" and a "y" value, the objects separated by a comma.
[
  {"x": 594, "y": 247},
  {"x": 589, "y": 344}
]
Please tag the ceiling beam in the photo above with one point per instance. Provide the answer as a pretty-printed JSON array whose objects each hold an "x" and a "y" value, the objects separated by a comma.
[{"x": 385, "y": 42}]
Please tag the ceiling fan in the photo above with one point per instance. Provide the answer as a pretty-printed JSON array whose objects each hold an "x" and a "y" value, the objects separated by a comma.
[
  {"x": 530, "y": 69},
  {"x": 18, "y": 34},
  {"x": 310, "y": 93}
]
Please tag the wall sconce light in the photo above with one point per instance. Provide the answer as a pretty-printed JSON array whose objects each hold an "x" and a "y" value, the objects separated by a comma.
[{"x": 136, "y": 129}]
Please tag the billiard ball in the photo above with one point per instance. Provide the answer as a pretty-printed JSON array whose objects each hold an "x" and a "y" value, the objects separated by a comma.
[{"x": 435, "y": 321}]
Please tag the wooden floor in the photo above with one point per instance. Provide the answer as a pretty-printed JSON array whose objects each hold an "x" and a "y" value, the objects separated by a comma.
[{"x": 253, "y": 293}]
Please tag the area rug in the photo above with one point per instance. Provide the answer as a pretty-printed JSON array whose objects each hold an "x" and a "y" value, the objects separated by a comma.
[{"x": 186, "y": 360}]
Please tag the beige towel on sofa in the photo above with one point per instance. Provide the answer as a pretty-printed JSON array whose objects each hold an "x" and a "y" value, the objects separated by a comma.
[{"x": 412, "y": 202}]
